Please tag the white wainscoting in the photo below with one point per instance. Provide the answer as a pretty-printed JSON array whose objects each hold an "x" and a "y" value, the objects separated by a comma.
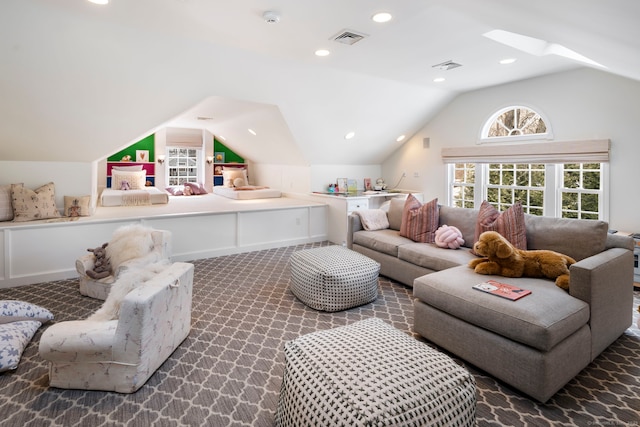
[{"x": 40, "y": 252}]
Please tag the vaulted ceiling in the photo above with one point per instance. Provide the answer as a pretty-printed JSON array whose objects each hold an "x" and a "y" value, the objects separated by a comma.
[{"x": 80, "y": 81}]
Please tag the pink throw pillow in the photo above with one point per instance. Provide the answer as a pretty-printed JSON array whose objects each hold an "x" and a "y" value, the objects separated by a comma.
[
  {"x": 510, "y": 223},
  {"x": 419, "y": 222}
]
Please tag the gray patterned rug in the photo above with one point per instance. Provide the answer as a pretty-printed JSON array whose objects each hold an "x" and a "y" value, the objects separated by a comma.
[{"x": 229, "y": 370}]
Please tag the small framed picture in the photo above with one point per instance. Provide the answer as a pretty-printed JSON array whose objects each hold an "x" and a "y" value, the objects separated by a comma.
[
  {"x": 342, "y": 185},
  {"x": 142, "y": 156},
  {"x": 367, "y": 184},
  {"x": 217, "y": 170},
  {"x": 218, "y": 157}
]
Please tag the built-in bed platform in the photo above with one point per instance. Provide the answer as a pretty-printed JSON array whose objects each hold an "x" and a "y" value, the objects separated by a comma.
[{"x": 202, "y": 226}]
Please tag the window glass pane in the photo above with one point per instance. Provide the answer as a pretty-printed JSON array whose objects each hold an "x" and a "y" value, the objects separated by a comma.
[
  {"x": 591, "y": 180},
  {"x": 536, "y": 198},
  {"x": 569, "y": 201},
  {"x": 572, "y": 179},
  {"x": 515, "y": 121},
  {"x": 589, "y": 202}
]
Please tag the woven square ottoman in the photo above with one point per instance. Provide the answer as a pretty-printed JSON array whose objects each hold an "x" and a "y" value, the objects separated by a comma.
[
  {"x": 370, "y": 374},
  {"x": 333, "y": 278}
]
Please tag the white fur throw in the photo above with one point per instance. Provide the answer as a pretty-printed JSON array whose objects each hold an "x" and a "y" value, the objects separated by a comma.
[
  {"x": 129, "y": 242},
  {"x": 127, "y": 281},
  {"x": 373, "y": 219}
]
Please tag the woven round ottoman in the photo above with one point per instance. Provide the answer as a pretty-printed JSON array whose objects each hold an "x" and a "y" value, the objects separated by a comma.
[
  {"x": 370, "y": 374},
  {"x": 333, "y": 278}
]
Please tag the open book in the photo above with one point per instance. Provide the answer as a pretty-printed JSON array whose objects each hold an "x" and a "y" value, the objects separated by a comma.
[{"x": 503, "y": 290}]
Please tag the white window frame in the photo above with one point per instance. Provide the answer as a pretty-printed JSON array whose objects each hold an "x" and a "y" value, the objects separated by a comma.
[
  {"x": 199, "y": 162},
  {"x": 553, "y": 188},
  {"x": 484, "y": 132}
]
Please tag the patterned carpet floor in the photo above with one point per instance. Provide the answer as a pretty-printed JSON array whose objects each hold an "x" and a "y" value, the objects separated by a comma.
[{"x": 229, "y": 370}]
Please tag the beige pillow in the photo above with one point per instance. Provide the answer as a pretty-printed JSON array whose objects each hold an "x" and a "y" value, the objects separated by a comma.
[
  {"x": 136, "y": 179},
  {"x": 77, "y": 206},
  {"x": 29, "y": 205},
  {"x": 127, "y": 168},
  {"x": 229, "y": 177},
  {"x": 6, "y": 208}
]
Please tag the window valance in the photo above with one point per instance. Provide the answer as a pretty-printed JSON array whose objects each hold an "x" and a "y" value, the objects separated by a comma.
[{"x": 587, "y": 151}]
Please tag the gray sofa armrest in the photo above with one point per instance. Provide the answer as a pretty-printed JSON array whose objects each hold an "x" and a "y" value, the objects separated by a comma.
[
  {"x": 353, "y": 224},
  {"x": 605, "y": 282}
]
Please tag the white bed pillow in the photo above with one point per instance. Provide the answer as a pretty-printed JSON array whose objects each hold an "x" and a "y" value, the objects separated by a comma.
[
  {"x": 127, "y": 168},
  {"x": 136, "y": 179},
  {"x": 6, "y": 207},
  {"x": 230, "y": 175}
]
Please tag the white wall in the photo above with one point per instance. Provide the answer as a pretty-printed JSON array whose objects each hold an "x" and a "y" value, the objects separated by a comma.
[
  {"x": 323, "y": 175},
  {"x": 580, "y": 104},
  {"x": 70, "y": 178}
]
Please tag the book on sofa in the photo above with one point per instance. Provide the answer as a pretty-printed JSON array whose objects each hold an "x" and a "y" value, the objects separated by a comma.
[{"x": 503, "y": 290}]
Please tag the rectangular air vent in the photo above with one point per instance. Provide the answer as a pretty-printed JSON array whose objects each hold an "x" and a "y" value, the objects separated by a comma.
[
  {"x": 447, "y": 65},
  {"x": 348, "y": 37}
]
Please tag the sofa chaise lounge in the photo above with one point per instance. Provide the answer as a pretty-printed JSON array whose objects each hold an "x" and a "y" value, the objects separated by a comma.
[{"x": 536, "y": 344}]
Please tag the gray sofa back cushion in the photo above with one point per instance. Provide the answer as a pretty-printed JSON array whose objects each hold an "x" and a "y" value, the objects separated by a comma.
[
  {"x": 395, "y": 212},
  {"x": 578, "y": 238},
  {"x": 462, "y": 218}
]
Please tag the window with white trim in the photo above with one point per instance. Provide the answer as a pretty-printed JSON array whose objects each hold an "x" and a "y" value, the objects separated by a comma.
[
  {"x": 183, "y": 165},
  {"x": 516, "y": 121},
  {"x": 561, "y": 179}
]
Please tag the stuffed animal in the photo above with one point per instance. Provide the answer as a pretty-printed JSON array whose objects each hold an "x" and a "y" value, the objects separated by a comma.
[
  {"x": 502, "y": 258},
  {"x": 448, "y": 236},
  {"x": 187, "y": 191},
  {"x": 124, "y": 185},
  {"x": 101, "y": 265}
]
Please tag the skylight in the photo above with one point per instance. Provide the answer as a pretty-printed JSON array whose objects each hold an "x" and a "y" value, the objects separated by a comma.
[{"x": 536, "y": 46}]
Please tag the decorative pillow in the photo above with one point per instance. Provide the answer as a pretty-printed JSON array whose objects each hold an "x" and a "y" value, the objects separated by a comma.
[
  {"x": 15, "y": 311},
  {"x": 373, "y": 219},
  {"x": 77, "y": 206},
  {"x": 419, "y": 222},
  {"x": 510, "y": 223},
  {"x": 175, "y": 190},
  {"x": 229, "y": 176},
  {"x": 449, "y": 237},
  {"x": 14, "y": 337},
  {"x": 136, "y": 179},
  {"x": 127, "y": 168},
  {"x": 196, "y": 188},
  {"x": 6, "y": 208},
  {"x": 29, "y": 205}
]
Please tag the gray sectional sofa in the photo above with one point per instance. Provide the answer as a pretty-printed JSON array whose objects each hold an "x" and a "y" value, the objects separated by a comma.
[{"x": 535, "y": 344}]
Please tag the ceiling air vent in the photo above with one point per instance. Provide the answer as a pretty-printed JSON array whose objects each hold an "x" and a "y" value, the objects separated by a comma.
[
  {"x": 348, "y": 37},
  {"x": 447, "y": 65}
]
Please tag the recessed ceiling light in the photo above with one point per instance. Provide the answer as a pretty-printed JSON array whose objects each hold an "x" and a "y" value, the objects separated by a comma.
[
  {"x": 252, "y": 132},
  {"x": 508, "y": 61},
  {"x": 222, "y": 137},
  {"x": 439, "y": 79},
  {"x": 99, "y": 1},
  {"x": 350, "y": 135},
  {"x": 400, "y": 138},
  {"x": 382, "y": 17},
  {"x": 322, "y": 52}
]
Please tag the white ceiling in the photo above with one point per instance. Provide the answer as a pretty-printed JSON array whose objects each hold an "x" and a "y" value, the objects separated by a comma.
[{"x": 92, "y": 79}]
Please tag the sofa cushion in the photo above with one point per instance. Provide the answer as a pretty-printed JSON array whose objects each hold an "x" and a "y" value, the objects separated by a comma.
[
  {"x": 509, "y": 223},
  {"x": 419, "y": 222},
  {"x": 385, "y": 241},
  {"x": 464, "y": 219},
  {"x": 433, "y": 257},
  {"x": 541, "y": 320},
  {"x": 395, "y": 212},
  {"x": 578, "y": 238}
]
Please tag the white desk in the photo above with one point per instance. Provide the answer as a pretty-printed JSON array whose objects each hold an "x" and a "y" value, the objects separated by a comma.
[{"x": 341, "y": 205}]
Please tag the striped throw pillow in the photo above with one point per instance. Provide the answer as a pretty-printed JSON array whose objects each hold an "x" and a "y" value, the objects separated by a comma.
[
  {"x": 419, "y": 222},
  {"x": 510, "y": 223}
]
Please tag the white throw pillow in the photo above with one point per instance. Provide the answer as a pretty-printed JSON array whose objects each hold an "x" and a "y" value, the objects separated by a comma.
[
  {"x": 136, "y": 179},
  {"x": 14, "y": 311},
  {"x": 6, "y": 208},
  {"x": 15, "y": 337}
]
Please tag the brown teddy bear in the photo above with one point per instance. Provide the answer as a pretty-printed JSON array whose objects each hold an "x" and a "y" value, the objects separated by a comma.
[
  {"x": 502, "y": 258},
  {"x": 101, "y": 265}
]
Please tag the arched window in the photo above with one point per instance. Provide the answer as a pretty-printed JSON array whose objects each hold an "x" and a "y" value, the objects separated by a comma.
[{"x": 515, "y": 122}]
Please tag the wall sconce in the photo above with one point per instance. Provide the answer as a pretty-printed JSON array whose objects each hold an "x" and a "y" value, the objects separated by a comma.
[
  {"x": 209, "y": 160},
  {"x": 160, "y": 159}
]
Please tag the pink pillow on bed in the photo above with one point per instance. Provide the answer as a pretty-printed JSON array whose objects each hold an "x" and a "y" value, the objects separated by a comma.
[
  {"x": 175, "y": 190},
  {"x": 196, "y": 188}
]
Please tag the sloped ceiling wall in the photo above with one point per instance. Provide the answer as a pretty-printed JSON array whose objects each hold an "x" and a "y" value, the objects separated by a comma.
[{"x": 77, "y": 89}]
